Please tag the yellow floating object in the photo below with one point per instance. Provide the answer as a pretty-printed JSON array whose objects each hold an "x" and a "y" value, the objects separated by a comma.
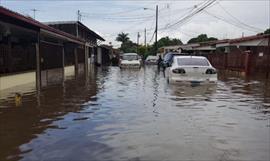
[{"x": 18, "y": 99}]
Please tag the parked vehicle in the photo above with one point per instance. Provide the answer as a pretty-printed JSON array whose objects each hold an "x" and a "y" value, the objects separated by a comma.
[
  {"x": 130, "y": 60},
  {"x": 168, "y": 59},
  {"x": 151, "y": 60},
  {"x": 190, "y": 69}
]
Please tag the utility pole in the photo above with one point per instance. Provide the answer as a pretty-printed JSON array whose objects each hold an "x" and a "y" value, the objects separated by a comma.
[
  {"x": 268, "y": 72},
  {"x": 138, "y": 37},
  {"x": 79, "y": 15},
  {"x": 156, "y": 28},
  {"x": 34, "y": 12},
  {"x": 145, "y": 37}
]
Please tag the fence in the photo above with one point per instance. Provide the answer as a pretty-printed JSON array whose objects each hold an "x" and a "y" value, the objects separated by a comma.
[{"x": 253, "y": 61}]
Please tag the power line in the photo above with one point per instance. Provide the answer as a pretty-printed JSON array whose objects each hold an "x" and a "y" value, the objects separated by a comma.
[
  {"x": 113, "y": 13},
  {"x": 122, "y": 18},
  {"x": 167, "y": 26},
  {"x": 200, "y": 9},
  {"x": 237, "y": 20},
  {"x": 138, "y": 20},
  {"x": 232, "y": 23},
  {"x": 121, "y": 12},
  {"x": 187, "y": 17},
  {"x": 195, "y": 10}
]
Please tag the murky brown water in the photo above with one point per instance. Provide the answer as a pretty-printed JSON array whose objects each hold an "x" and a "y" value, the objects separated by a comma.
[{"x": 136, "y": 115}]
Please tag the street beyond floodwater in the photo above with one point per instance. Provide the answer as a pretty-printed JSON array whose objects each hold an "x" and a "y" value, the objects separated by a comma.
[{"x": 136, "y": 115}]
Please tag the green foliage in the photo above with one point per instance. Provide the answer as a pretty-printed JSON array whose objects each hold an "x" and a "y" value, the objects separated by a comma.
[
  {"x": 212, "y": 39},
  {"x": 267, "y": 31},
  {"x": 201, "y": 38},
  {"x": 142, "y": 50},
  {"x": 122, "y": 37},
  {"x": 165, "y": 41},
  {"x": 128, "y": 46}
]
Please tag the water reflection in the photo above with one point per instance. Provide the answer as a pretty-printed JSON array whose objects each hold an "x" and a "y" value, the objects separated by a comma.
[
  {"x": 135, "y": 115},
  {"x": 38, "y": 111},
  {"x": 193, "y": 91}
]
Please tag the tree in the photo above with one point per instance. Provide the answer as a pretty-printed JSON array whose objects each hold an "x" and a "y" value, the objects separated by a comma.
[
  {"x": 164, "y": 41},
  {"x": 142, "y": 50},
  {"x": 201, "y": 38},
  {"x": 129, "y": 47},
  {"x": 122, "y": 37},
  {"x": 267, "y": 31},
  {"x": 212, "y": 39}
]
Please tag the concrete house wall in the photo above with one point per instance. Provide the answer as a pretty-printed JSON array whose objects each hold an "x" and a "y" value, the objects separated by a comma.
[{"x": 32, "y": 52}]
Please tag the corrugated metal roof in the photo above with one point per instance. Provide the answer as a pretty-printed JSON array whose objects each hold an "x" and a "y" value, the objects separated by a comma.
[
  {"x": 76, "y": 22},
  {"x": 19, "y": 17},
  {"x": 248, "y": 38},
  {"x": 242, "y": 39}
]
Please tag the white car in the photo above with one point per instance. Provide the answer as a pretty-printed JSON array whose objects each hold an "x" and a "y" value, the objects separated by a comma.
[
  {"x": 130, "y": 60},
  {"x": 151, "y": 60},
  {"x": 191, "y": 69}
]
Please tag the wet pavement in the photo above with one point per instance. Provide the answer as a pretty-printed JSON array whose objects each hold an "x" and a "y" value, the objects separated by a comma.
[{"x": 135, "y": 115}]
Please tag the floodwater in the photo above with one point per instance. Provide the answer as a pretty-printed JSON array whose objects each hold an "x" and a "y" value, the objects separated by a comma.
[{"x": 135, "y": 115}]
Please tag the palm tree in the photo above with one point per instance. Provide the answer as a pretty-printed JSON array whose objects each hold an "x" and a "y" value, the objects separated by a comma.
[{"x": 122, "y": 37}]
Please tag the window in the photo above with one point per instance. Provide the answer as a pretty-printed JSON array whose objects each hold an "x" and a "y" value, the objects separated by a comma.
[
  {"x": 130, "y": 57},
  {"x": 192, "y": 62}
]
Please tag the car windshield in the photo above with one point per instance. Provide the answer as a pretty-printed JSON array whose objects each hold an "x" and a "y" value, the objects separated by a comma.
[
  {"x": 130, "y": 57},
  {"x": 151, "y": 58},
  {"x": 192, "y": 62}
]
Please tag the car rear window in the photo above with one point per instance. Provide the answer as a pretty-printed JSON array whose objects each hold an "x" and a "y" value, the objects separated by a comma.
[
  {"x": 192, "y": 62},
  {"x": 130, "y": 57}
]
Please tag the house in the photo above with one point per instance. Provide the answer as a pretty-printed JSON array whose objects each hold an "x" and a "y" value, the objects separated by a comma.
[
  {"x": 249, "y": 54},
  {"x": 81, "y": 31},
  {"x": 33, "y": 52},
  {"x": 187, "y": 49}
]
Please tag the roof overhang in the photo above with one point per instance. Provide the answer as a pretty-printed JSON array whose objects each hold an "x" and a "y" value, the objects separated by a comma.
[
  {"x": 97, "y": 36},
  {"x": 257, "y": 42},
  {"x": 254, "y": 42},
  {"x": 21, "y": 20},
  {"x": 222, "y": 44},
  {"x": 206, "y": 48},
  {"x": 56, "y": 35}
]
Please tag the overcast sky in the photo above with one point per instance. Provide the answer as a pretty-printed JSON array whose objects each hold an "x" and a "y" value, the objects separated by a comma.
[{"x": 223, "y": 19}]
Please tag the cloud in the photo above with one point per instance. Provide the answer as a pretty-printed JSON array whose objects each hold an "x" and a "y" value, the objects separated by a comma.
[{"x": 102, "y": 17}]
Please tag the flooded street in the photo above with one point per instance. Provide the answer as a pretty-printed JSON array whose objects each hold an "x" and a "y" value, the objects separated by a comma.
[{"x": 136, "y": 115}]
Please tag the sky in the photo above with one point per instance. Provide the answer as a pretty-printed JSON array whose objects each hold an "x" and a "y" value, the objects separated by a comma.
[{"x": 223, "y": 19}]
